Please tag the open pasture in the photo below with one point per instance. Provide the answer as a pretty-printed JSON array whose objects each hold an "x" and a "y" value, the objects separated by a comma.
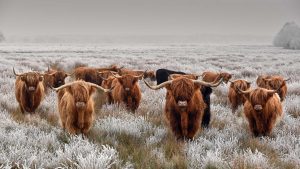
[{"x": 120, "y": 139}]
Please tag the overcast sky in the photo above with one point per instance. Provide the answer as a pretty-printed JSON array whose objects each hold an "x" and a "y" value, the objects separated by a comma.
[{"x": 146, "y": 17}]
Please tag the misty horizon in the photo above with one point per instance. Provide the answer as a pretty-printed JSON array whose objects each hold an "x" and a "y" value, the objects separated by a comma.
[{"x": 146, "y": 18}]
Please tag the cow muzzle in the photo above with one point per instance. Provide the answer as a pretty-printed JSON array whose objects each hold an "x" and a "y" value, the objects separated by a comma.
[
  {"x": 181, "y": 103},
  {"x": 258, "y": 107},
  {"x": 80, "y": 105},
  {"x": 31, "y": 88}
]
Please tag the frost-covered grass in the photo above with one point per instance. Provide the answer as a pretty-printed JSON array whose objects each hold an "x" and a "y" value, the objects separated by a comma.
[{"x": 120, "y": 139}]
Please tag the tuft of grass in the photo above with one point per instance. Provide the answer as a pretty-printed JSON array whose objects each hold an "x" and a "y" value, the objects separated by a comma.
[{"x": 256, "y": 144}]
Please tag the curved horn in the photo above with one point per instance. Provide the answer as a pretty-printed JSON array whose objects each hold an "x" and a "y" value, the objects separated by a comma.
[
  {"x": 140, "y": 76},
  {"x": 203, "y": 75},
  {"x": 99, "y": 87},
  {"x": 48, "y": 69},
  {"x": 197, "y": 75},
  {"x": 238, "y": 79},
  {"x": 116, "y": 76},
  {"x": 156, "y": 87},
  {"x": 171, "y": 77},
  {"x": 272, "y": 91},
  {"x": 102, "y": 78},
  {"x": 245, "y": 92},
  {"x": 248, "y": 82},
  {"x": 287, "y": 79},
  {"x": 200, "y": 82},
  {"x": 16, "y": 73},
  {"x": 63, "y": 86}
]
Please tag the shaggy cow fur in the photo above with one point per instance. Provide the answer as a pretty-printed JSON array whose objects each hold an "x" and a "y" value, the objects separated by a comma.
[
  {"x": 76, "y": 106},
  {"x": 147, "y": 74},
  {"x": 277, "y": 83},
  {"x": 261, "y": 81},
  {"x": 162, "y": 75},
  {"x": 92, "y": 75},
  {"x": 214, "y": 77},
  {"x": 126, "y": 90},
  {"x": 107, "y": 84},
  {"x": 184, "y": 106},
  {"x": 29, "y": 91},
  {"x": 234, "y": 96},
  {"x": 54, "y": 78},
  {"x": 263, "y": 110}
]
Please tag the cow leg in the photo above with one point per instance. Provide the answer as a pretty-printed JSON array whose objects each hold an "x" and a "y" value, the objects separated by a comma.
[
  {"x": 253, "y": 126},
  {"x": 109, "y": 98},
  {"x": 175, "y": 125},
  {"x": 194, "y": 123},
  {"x": 234, "y": 104},
  {"x": 206, "y": 117},
  {"x": 86, "y": 128},
  {"x": 70, "y": 126},
  {"x": 233, "y": 108},
  {"x": 21, "y": 109},
  {"x": 206, "y": 92},
  {"x": 184, "y": 120},
  {"x": 269, "y": 125}
]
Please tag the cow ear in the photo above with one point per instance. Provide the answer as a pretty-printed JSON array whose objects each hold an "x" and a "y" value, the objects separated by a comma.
[
  {"x": 196, "y": 86},
  {"x": 120, "y": 81},
  {"x": 23, "y": 78},
  {"x": 248, "y": 85},
  {"x": 168, "y": 86},
  {"x": 69, "y": 89},
  {"x": 135, "y": 80},
  {"x": 92, "y": 90},
  {"x": 246, "y": 96},
  {"x": 270, "y": 94}
]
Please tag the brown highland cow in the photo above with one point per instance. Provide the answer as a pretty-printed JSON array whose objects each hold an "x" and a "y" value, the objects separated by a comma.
[
  {"x": 273, "y": 83},
  {"x": 93, "y": 75},
  {"x": 54, "y": 78},
  {"x": 127, "y": 91},
  {"x": 76, "y": 106},
  {"x": 184, "y": 106},
  {"x": 107, "y": 84},
  {"x": 262, "y": 109},
  {"x": 215, "y": 77},
  {"x": 29, "y": 90},
  {"x": 234, "y": 96},
  {"x": 146, "y": 74}
]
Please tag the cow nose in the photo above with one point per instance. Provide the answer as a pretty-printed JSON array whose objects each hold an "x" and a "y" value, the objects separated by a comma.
[
  {"x": 182, "y": 103},
  {"x": 80, "y": 104},
  {"x": 31, "y": 88},
  {"x": 258, "y": 107}
]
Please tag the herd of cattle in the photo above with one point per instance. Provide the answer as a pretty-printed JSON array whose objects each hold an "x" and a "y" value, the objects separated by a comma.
[{"x": 187, "y": 106}]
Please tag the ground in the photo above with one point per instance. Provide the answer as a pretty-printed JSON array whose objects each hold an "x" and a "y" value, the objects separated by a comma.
[{"x": 120, "y": 139}]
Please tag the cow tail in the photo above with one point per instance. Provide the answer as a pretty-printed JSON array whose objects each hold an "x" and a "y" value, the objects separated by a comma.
[{"x": 184, "y": 123}]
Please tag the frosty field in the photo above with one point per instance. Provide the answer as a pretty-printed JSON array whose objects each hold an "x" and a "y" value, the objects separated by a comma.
[{"x": 120, "y": 139}]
